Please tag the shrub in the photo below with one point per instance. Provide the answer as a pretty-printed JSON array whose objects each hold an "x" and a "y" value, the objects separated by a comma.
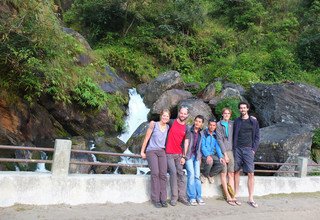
[
  {"x": 316, "y": 139},
  {"x": 129, "y": 61},
  {"x": 231, "y": 103}
]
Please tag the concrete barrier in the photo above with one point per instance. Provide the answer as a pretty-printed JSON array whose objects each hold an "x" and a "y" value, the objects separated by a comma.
[
  {"x": 46, "y": 189},
  {"x": 59, "y": 187}
]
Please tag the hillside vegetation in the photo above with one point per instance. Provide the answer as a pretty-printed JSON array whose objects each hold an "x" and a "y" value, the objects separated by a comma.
[{"x": 241, "y": 41}]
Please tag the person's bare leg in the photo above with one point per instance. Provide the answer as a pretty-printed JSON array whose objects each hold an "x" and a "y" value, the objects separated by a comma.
[
  {"x": 251, "y": 186},
  {"x": 236, "y": 182},
  {"x": 231, "y": 181},
  {"x": 223, "y": 177}
]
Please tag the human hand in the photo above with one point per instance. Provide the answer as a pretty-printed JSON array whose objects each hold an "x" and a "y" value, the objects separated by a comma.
[
  {"x": 182, "y": 161},
  {"x": 143, "y": 155},
  {"x": 226, "y": 158},
  {"x": 223, "y": 161}
]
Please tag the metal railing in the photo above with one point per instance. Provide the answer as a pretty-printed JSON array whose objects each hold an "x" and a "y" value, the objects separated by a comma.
[
  {"x": 296, "y": 169},
  {"x": 14, "y": 160},
  {"x": 108, "y": 154}
]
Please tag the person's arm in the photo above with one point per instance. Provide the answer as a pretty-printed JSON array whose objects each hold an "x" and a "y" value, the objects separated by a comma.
[
  {"x": 146, "y": 139},
  {"x": 220, "y": 135},
  {"x": 204, "y": 148},
  {"x": 218, "y": 150},
  {"x": 185, "y": 150},
  {"x": 256, "y": 137}
]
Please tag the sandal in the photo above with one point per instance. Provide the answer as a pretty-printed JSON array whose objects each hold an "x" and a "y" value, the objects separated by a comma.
[
  {"x": 231, "y": 202},
  {"x": 237, "y": 202},
  {"x": 253, "y": 204}
]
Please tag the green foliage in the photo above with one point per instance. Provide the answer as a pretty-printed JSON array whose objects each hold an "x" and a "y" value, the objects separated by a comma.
[
  {"x": 218, "y": 86},
  {"x": 129, "y": 61},
  {"x": 88, "y": 94},
  {"x": 231, "y": 103},
  {"x": 316, "y": 139}
]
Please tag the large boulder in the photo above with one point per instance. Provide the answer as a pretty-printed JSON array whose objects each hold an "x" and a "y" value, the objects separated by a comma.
[
  {"x": 241, "y": 90},
  {"x": 169, "y": 99},
  {"x": 209, "y": 92},
  {"x": 284, "y": 142},
  {"x": 288, "y": 102},
  {"x": 136, "y": 139},
  {"x": 226, "y": 93},
  {"x": 197, "y": 107},
  {"x": 154, "y": 89}
]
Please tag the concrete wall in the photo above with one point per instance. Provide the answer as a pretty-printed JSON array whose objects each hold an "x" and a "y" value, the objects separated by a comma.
[
  {"x": 46, "y": 189},
  {"x": 59, "y": 187}
]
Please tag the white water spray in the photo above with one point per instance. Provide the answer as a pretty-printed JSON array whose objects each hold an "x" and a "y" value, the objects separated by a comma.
[
  {"x": 137, "y": 114},
  {"x": 41, "y": 167}
]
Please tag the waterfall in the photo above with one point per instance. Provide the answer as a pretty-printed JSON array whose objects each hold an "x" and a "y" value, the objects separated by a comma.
[
  {"x": 41, "y": 167},
  {"x": 137, "y": 114},
  {"x": 128, "y": 160}
]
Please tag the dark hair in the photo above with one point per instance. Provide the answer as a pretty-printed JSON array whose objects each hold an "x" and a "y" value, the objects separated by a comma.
[
  {"x": 212, "y": 120},
  {"x": 244, "y": 103},
  {"x": 199, "y": 116}
]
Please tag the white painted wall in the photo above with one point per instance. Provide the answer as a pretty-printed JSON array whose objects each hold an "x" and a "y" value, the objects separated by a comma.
[{"x": 47, "y": 189}]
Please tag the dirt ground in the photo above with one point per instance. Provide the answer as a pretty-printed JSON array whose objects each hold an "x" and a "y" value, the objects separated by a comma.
[{"x": 294, "y": 206}]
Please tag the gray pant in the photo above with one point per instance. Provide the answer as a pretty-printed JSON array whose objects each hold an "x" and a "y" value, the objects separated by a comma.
[
  {"x": 157, "y": 162},
  {"x": 212, "y": 169},
  {"x": 177, "y": 177}
]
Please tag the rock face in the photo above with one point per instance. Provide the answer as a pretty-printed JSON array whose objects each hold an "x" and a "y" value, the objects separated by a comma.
[
  {"x": 29, "y": 125},
  {"x": 78, "y": 122},
  {"x": 135, "y": 141},
  {"x": 169, "y": 99},
  {"x": 115, "y": 84},
  {"x": 163, "y": 82},
  {"x": 290, "y": 103},
  {"x": 209, "y": 92},
  {"x": 284, "y": 142},
  {"x": 78, "y": 143},
  {"x": 241, "y": 90},
  {"x": 197, "y": 107}
]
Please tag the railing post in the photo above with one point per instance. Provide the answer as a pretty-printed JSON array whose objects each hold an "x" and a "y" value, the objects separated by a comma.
[
  {"x": 61, "y": 157},
  {"x": 302, "y": 166}
]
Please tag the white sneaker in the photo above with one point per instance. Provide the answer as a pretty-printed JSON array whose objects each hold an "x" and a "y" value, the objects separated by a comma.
[
  {"x": 201, "y": 202},
  {"x": 193, "y": 202}
]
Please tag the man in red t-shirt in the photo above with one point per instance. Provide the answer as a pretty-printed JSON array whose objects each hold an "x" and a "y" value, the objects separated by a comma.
[{"x": 176, "y": 157}]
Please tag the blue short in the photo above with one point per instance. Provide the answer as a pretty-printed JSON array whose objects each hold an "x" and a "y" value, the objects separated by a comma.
[{"x": 243, "y": 158}]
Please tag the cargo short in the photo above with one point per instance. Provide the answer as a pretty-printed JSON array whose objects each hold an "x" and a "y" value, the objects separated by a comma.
[{"x": 243, "y": 158}]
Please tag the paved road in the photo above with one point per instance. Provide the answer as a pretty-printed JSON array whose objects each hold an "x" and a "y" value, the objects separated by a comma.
[{"x": 286, "y": 207}]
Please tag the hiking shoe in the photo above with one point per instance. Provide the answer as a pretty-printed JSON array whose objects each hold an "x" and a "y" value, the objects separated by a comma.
[
  {"x": 211, "y": 179},
  {"x": 193, "y": 202},
  {"x": 164, "y": 204},
  {"x": 201, "y": 202},
  {"x": 184, "y": 201},
  {"x": 157, "y": 204},
  {"x": 173, "y": 203},
  {"x": 203, "y": 178}
]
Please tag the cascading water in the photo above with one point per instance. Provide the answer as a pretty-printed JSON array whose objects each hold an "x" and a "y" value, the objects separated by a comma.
[
  {"x": 41, "y": 166},
  {"x": 137, "y": 114}
]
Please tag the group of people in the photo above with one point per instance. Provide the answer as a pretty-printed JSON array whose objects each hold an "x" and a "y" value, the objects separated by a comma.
[{"x": 224, "y": 148}]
